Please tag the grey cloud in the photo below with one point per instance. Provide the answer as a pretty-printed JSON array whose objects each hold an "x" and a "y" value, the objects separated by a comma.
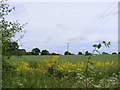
[
  {"x": 62, "y": 27},
  {"x": 48, "y": 40},
  {"x": 78, "y": 39}
]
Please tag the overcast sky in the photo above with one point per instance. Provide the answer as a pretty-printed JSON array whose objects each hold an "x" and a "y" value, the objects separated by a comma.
[{"x": 51, "y": 25}]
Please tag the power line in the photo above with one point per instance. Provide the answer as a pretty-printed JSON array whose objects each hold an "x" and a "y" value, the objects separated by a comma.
[
  {"x": 94, "y": 24},
  {"x": 101, "y": 22},
  {"x": 107, "y": 10}
]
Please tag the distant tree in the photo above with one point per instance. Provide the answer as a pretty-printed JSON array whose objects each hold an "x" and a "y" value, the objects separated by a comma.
[
  {"x": 104, "y": 53},
  {"x": 58, "y": 54},
  {"x": 19, "y": 52},
  {"x": 35, "y": 51},
  {"x": 45, "y": 52},
  {"x": 86, "y": 53},
  {"x": 22, "y": 51},
  {"x": 72, "y": 54},
  {"x": 79, "y": 53},
  {"x": 53, "y": 54},
  {"x": 28, "y": 53},
  {"x": 114, "y": 53},
  {"x": 118, "y": 52},
  {"x": 67, "y": 53}
]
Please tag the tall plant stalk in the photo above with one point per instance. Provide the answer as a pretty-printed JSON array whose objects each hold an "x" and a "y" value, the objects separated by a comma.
[{"x": 88, "y": 60}]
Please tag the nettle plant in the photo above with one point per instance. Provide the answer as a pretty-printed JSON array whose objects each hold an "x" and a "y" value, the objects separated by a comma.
[{"x": 89, "y": 63}]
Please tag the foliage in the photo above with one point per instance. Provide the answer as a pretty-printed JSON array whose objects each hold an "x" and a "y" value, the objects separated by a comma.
[
  {"x": 35, "y": 51},
  {"x": 87, "y": 53},
  {"x": 53, "y": 54},
  {"x": 9, "y": 48},
  {"x": 28, "y": 53},
  {"x": 67, "y": 53},
  {"x": 51, "y": 73},
  {"x": 79, "y": 53},
  {"x": 89, "y": 64},
  {"x": 8, "y": 29},
  {"x": 114, "y": 53},
  {"x": 45, "y": 52},
  {"x": 104, "y": 53},
  {"x": 19, "y": 52}
]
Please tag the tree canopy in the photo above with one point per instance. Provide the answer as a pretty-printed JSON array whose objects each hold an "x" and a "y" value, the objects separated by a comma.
[
  {"x": 45, "y": 52},
  {"x": 35, "y": 51},
  {"x": 8, "y": 29},
  {"x": 79, "y": 53},
  {"x": 67, "y": 53}
]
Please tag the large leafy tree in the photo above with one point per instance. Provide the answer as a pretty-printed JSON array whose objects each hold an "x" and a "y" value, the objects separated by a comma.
[
  {"x": 79, "y": 53},
  {"x": 67, "y": 53},
  {"x": 45, "y": 52},
  {"x": 35, "y": 51},
  {"x": 8, "y": 30}
]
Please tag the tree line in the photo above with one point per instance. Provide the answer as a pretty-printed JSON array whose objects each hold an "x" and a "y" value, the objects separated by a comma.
[{"x": 14, "y": 50}]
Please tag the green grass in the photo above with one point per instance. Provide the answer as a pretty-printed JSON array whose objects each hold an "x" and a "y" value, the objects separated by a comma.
[
  {"x": 62, "y": 58},
  {"x": 79, "y": 58},
  {"x": 43, "y": 80}
]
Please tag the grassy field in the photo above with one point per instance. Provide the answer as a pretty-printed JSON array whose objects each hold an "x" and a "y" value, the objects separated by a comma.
[
  {"x": 63, "y": 58},
  {"x": 60, "y": 72}
]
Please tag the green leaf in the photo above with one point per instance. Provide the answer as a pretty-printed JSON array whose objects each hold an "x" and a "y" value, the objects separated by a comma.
[
  {"x": 91, "y": 67},
  {"x": 99, "y": 46},
  {"x": 95, "y": 45},
  {"x": 78, "y": 74},
  {"x": 109, "y": 43},
  {"x": 90, "y": 62},
  {"x": 97, "y": 86},
  {"x": 113, "y": 78},
  {"x": 104, "y": 42}
]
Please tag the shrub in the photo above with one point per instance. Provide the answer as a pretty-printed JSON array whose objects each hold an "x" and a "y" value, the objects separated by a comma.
[{"x": 80, "y": 53}]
